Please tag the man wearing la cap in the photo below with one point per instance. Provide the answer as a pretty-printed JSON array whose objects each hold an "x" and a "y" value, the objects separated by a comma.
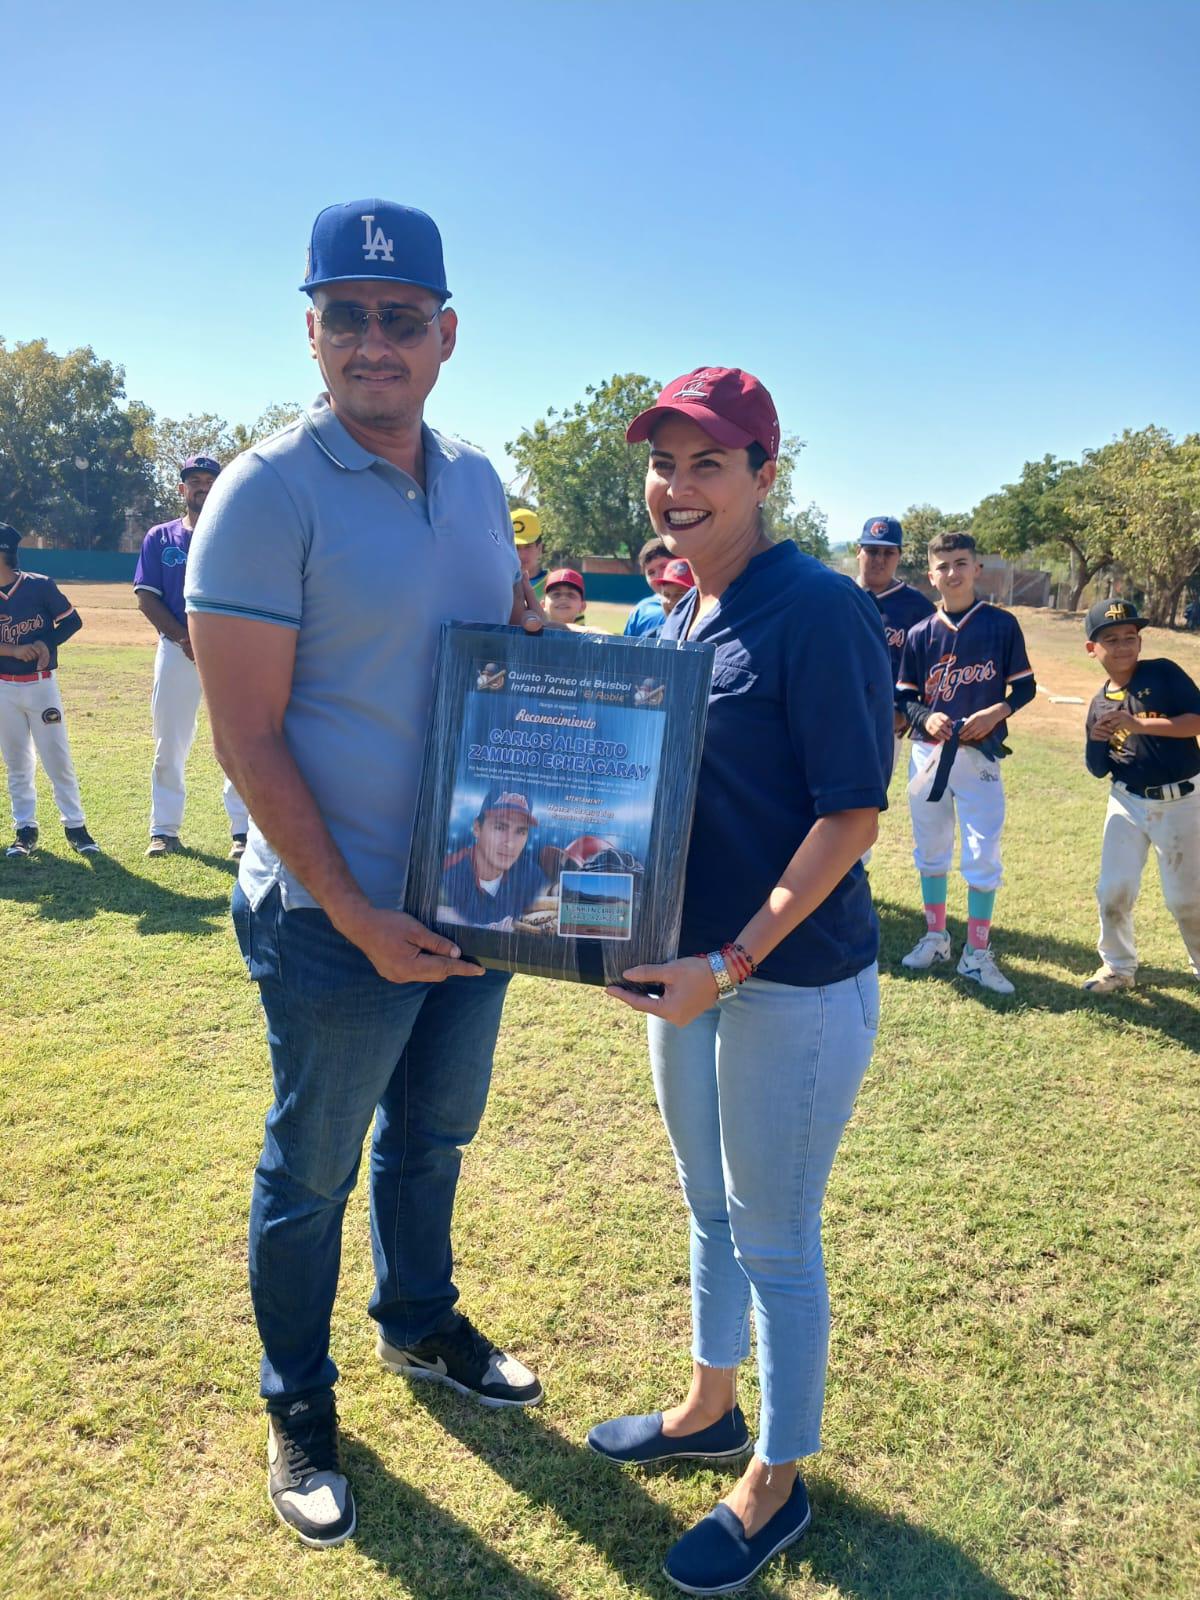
[
  {"x": 325, "y": 562},
  {"x": 35, "y": 619},
  {"x": 175, "y": 699},
  {"x": 1142, "y": 728},
  {"x": 527, "y": 536}
]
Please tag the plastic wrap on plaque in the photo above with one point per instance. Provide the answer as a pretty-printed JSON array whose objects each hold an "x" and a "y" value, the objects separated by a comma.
[{"x": 556, "y": 798}]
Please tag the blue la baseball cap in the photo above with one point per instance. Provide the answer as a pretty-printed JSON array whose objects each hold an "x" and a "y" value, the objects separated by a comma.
[
  {"x": 882, "y": 531},
  {"x": 375, "y": 240}
]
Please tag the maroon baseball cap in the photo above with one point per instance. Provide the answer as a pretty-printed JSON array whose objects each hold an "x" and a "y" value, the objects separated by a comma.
[
  {"x": 566, "y": 575},
  {"x": 678, "y": 572},
  {"x": 728, "y": 403}
]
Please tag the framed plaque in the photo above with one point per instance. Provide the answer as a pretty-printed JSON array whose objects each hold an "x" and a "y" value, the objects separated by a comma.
[{"x": 556, "y": 798}]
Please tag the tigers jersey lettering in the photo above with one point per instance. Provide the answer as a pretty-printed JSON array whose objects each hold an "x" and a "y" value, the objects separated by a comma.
[
  {"x": 900, "y": 608},
  {"x": 29, "y": 611},
  {"x": 962, "y": 664}
]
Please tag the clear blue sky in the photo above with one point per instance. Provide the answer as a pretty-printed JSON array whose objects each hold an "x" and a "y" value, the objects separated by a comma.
[{"x": 948, "y": 236}]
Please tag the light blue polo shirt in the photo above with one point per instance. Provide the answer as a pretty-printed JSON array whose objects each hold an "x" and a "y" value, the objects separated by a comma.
[{"x": 310, "y": 531}]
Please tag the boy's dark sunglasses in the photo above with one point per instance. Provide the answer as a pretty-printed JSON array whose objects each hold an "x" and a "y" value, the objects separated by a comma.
[{"x": 345, "y": 324}]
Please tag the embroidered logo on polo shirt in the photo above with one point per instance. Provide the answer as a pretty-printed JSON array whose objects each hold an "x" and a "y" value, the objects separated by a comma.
[{"x": 376, "y": 247}]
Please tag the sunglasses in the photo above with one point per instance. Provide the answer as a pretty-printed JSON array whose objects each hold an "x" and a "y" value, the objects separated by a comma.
[{"x": 345, "y": 324}]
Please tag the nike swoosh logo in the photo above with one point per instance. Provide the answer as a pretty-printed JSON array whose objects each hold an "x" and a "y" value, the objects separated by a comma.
[{"x": 438, "y": 1365}]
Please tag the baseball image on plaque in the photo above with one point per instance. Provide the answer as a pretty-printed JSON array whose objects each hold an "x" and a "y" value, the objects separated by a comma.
[{"x": 556, "y": 798}]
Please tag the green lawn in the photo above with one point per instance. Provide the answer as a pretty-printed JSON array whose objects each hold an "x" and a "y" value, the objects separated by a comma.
[{"x": 1011, "y": 1237}]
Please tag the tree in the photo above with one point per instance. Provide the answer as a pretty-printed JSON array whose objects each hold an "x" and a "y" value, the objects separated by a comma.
[
  {"x": 583, "y": 477},
  {"x": 202, "y": 433},
  {"x": 588, "y": 484},
  {"x": 1047, "y": 509},
  {"x": 924, "y": 522},
  {"x": 1143, "y": 490},
  {"x": 807, "y": 527},
  {"x": 72, "y": 457}
]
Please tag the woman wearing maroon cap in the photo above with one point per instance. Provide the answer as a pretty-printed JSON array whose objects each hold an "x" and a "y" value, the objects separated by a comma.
[{"x": 759, "y": 1042}]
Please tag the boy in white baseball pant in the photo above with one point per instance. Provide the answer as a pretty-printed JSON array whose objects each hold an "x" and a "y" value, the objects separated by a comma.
[
  {"x": 32, "y": 727},
  {"x": 1142, "y": 729}
]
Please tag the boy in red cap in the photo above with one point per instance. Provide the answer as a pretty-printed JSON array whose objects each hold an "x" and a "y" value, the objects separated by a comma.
[
  {"x": 565, "y": 599},
  {"x": 674, "y": 584}
]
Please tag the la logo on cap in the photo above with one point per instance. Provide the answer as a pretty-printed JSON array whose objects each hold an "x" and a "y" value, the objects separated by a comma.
[{"x": 376, "y": 247}]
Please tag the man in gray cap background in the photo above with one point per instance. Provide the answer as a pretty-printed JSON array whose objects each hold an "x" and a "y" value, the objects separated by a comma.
[{"x": 324, "y": 563}]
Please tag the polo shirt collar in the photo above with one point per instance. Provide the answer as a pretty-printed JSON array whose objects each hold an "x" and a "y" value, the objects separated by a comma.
[
  {"x": 765, "y": 562},
  {"x": 346, "y": 452}
]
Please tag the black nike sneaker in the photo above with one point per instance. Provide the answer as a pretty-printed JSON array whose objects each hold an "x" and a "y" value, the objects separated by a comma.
[
  {"x": 24, "y": 844},
  {"x": 80, "y": 839},
  {"x": 305, "y": 1483},
  {"x": 460, "y": 1356}
]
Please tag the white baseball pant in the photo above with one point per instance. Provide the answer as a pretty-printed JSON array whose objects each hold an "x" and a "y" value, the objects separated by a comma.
[
  {"x": 975, "y": 793},
  {"x": 174, "y": 704},
  {"x": 1131, "y": 826},
  {"x": 32, "y": 725}
]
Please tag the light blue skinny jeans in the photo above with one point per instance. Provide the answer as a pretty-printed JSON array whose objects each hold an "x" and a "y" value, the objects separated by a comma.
[{"x": 755, "y": 1095}]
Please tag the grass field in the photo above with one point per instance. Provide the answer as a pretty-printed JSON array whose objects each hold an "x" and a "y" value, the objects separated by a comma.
[{"x": 1011, "y": 1233}]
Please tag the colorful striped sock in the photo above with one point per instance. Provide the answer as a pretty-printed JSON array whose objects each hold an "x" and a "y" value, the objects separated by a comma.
[
  {"x": 933, "y": 893},
  {"x": 980, "y": 905}
]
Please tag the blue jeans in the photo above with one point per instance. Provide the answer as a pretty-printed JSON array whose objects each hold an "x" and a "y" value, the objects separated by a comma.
[
  {"x": 755, "y": 1095},
  {"x": 344, "y": 1044}
]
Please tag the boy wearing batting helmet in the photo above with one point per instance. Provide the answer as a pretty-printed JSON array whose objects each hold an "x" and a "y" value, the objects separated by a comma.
[
  {"x": 35, "y": 619},
  {"x": 1142, "y": 729}
]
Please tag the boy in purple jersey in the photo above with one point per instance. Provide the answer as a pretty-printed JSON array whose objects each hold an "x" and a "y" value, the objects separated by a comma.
[
  {"x": 175, "y": 700},
  {"x": 35, "y": 618},
  {"x": 900, "y": 606},
  {"x": 963, "y": 672}
]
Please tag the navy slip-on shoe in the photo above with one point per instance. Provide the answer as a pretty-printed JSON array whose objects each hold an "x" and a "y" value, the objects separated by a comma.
[
  {"x": 640, "y": 1440},
  {"x": 716, "y": 1557}
]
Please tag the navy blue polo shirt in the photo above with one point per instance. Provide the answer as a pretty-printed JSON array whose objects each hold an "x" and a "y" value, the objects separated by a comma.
[{"x": 799, "y": 727}]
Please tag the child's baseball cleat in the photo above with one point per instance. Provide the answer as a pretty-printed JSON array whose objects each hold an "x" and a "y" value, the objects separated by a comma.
[
  {"x": 1106, "y": 981},
  {"x": 980, "y": 966},
  {"x": 24, "y": 844},
  {"x": 80, "y": 839},
  {"x": 930, "y": 948},
  {"x": 164, "y": 844}
]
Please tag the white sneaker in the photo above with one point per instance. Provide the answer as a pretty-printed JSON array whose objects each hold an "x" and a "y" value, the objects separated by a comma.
[
  {"x": 980, "y": 965},
  {"x": 1105, "y": 980},
  {"x": 929, "y": 948}
]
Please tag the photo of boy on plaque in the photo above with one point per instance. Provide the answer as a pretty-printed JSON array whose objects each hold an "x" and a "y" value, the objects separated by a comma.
[{"x": 542, "y": 800}]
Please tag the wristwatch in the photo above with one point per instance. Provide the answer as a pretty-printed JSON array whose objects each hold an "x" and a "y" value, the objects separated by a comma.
[{"x": 726, "y": 988}]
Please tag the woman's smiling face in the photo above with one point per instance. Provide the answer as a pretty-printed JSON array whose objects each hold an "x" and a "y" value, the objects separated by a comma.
[{"x": 701, "y": 495}]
